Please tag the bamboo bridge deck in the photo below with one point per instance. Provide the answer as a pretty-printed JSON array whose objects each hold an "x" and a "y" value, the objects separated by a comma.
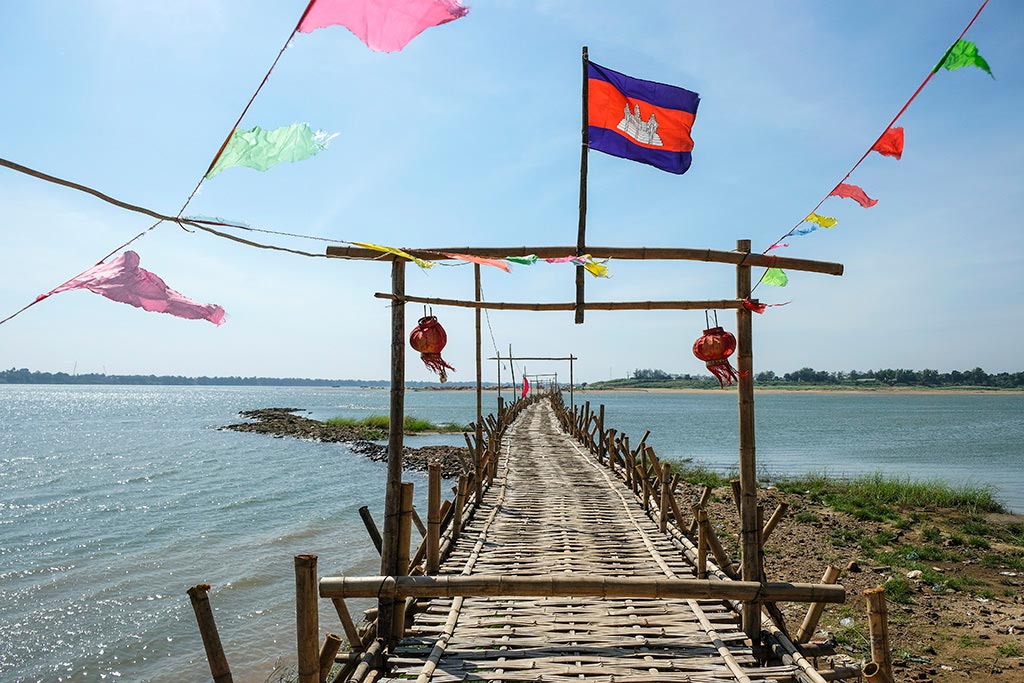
[{"x": 553, "y": 509}]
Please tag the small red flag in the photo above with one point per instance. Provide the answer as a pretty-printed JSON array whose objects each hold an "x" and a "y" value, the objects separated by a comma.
[
  {"x": 855, "y": 193},
  {"x": 891, "y": 143},
  {"x": 526, "y": 386}
]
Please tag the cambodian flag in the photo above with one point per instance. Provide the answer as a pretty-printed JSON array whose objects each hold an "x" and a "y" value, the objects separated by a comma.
[{"x": 640, "y": 120}]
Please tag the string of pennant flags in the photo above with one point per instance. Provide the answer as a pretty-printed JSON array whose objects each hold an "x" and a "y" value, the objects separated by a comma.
[
  {"x": 890, "y": 143},
  {"x": 622, "y": 121}
]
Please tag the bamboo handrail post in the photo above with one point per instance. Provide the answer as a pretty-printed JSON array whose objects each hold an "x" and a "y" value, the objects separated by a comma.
[
  {"x": 663, "y": 507},
  {"x": 460, "y": 502},
  {"x": 600, "y": 431},
  {"x": 705, "y": 496},
  {"x": 610, "y": 447},
  {"x": 433, "y": 517},
  {"x": 760, "y": 542},
  {"x": 345, "y": 617},
  {"x": 478, "y": 453},
  {"x": 371, "y": 527},
  {"x": 200, "y": 599},
  {"x": 810, "y": 622},
  {"x": 749, "y": 530},
  {"x": 878, "y": 634},
  {"x": 674, "y": 504},
  {"x": 773, "y": 521},
  {"x": 702, "y": 545},
  {"x": 418, "y": 522},
  {"x": 307, "y": 620},
  {"x": 404, "y": 540},
  {"x": 721, "y": 557},
  {"x": 329, "y": 650}
]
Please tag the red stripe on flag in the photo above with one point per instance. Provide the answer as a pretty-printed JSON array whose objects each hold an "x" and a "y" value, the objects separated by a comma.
[{"x": 606, "y": 108}]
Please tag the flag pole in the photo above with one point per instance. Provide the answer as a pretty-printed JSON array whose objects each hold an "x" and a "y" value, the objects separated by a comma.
[{"x": 581, "y": 238}]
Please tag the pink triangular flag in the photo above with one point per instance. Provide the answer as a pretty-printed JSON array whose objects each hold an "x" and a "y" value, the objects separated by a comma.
[
  {"x": 891, "y": 143},
  {"x": 855, "y": 193},
  {"x": 122, "y": 280},
  {"x": 384, "y": 25}
]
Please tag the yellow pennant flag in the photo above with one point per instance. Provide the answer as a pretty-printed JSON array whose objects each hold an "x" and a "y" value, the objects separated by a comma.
[
  {"x": 595, "y": 267},
  {"x": 397, "y": 252},
  {"x": 823, "y": 221}
]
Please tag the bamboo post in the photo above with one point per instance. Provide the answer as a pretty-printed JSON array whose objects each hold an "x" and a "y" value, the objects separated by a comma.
[
  {"x": 460, "y": 502},
  {"x": 393, "y": 491},
  {"x": 810, "y": 622},
  {"x": 702, "y": 544},
  {"x": 371, "y": 527},
  {"x": 878, "y": 630},
  {"x": 600, "y": 433},
  {"x": 666, "y": 493},
  {"x": 749, "y": 530},
  {"x": 307, "y": 620},
  {"x": 572, "y": 386},
  {"x": 478, "y": 453},
  {"x": 402, "y": 569},
  {"x": 773, "y": 521},
  {"x": 501, "y": 401},
  {"x": 200, "y": 598},
  {"x": 332, "y": 643},
  {"x": 705, "y": 496},
  {"x": 433, "y": 517},
  {"x": 581, "y": 237},
  {"x": 721, "y": 557},
  {"x": 610, "y": 448}
]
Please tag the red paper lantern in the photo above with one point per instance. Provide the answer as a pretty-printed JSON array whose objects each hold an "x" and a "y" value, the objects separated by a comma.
[
  {"x": 429, "y": 338},
  {"x": 714, "y": 348}
]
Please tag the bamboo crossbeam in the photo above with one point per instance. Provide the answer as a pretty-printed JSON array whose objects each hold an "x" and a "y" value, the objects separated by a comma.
[
  {"x": 718, "y": 304},
  {"x": 533, "y": 358},
  {"x": 487, "y": 585},
  {"x": 623, "y": 253}
]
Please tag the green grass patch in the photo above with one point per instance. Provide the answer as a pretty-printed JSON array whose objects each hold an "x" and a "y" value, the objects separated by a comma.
[
  {"x": 878, "y": 497},
  {"x": 899, "y": 590},
  {"x": 382, "y": 423},
  {"x": 696, "y": 473},
  {"x": 807, "y": 517},
  {"x": 1009, "y": 649}
]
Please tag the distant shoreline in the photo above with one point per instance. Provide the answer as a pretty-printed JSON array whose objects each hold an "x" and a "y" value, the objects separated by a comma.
[{"x": 809, "y": 390}]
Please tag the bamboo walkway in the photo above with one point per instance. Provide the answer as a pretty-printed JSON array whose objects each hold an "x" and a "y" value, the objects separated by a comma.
[{"x": 554, "y": 509}]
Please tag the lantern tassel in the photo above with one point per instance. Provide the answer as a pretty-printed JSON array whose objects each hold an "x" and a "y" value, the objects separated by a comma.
[
  {"x": 437, "y": 365},
  {"x": 724, "y": 372}
]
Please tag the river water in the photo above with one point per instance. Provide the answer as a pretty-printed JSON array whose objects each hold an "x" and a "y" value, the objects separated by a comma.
[{"x": 114, "y": 500}]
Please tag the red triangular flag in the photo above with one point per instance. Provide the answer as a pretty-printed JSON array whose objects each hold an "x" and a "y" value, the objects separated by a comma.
[
  {"x": 891, "y": 143},
  {"x": 526, "y": 386},
  {"x": 855, "y": 193}
]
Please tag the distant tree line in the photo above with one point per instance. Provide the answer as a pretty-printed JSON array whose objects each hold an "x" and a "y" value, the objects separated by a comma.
[
  {"x": 25, "y": 376},
  {"x": 888, "y": 377}
]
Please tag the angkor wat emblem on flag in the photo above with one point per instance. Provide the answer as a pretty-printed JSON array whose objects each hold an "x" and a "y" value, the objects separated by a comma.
[{"x": 633, "y": 125}]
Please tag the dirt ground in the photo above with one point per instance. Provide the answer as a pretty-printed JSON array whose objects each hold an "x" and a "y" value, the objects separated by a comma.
[{"x": 958, "y": 616}]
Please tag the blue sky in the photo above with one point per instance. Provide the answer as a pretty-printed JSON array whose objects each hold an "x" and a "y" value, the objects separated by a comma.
[{"x": 471, "y": 136}]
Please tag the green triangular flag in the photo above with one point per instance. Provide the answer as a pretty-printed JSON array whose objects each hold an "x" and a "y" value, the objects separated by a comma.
[
  {"x": 260, "y": 149},
  {"x": 963, "y": 53},
  {"x": 775, "y": 277},
  {"x": 523, "y": 260}
]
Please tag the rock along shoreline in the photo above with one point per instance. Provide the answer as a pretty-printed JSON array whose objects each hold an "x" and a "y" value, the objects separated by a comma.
[{"x": 282, "y": 422}]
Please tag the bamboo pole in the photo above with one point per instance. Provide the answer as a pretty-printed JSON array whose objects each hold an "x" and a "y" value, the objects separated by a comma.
[
  {"x": 418, "y": 523},
  {"x": 600, "y": 432},
  {"x": 663, "y": 507},
  {"x": 562, "y": 585},
  {"x": 705, "y": 304},
  {"x": 393, "y": 487},
  {"x": 749, "y": 529},
  {"x": 773, "y": 521},
  {"x": 721, "y": 557},
  {"x": 329, "y": 650},
  {"x": 402, "y": 568},
  {"x": 702, "y": 545},
  {"x": 460, "y": 502},
  {"x": 371, "y": 527},
  {"x": 478, "y": 454},
  {"x": 572, "y": 385},
  {"x": 307, "y": 621},
  {"x": 433, "y": 517},
  {"x": 810, "y": 622},
  {"x": 200, "y": 598},
  {"x": 351, "y": 633},
  {"x": 705, "y": 496},
  {"x": 737, "y": 492},
  {"x": 581, "y": 233},
  {"x": 622, "y": 253},
  {"x": 878, "y": 630}
]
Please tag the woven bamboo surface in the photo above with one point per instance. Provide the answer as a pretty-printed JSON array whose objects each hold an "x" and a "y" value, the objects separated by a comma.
[{"x": 554, "y": 509}]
